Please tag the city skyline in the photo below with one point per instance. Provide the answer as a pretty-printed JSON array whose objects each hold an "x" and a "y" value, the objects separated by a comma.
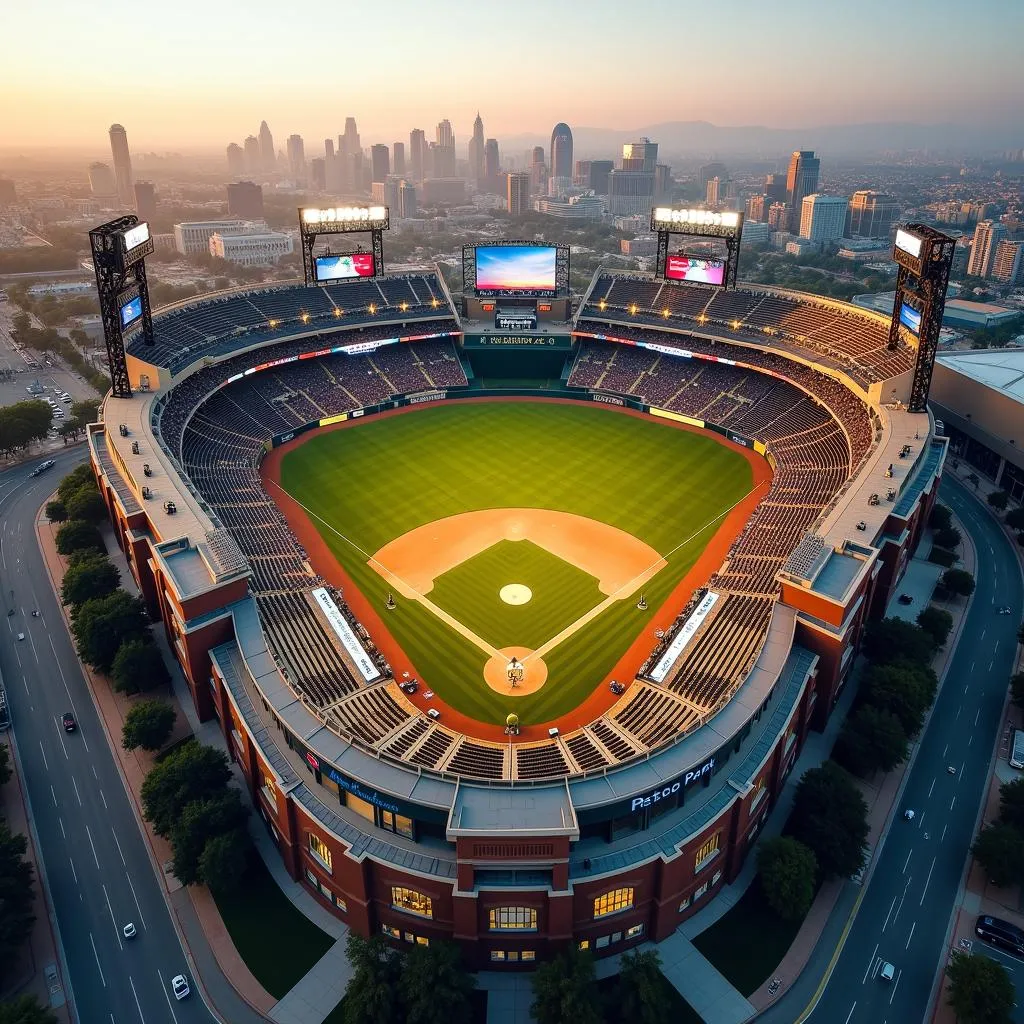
[{"x": 72, "y": 103}]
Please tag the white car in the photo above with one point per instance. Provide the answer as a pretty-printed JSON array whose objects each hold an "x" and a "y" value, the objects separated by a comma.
[
  {"x": 888, "y": 971},
  {"x": 179, "y": 986},
  {"x": 129, "y": 930}
]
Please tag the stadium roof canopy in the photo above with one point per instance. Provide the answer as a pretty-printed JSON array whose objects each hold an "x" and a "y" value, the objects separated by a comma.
[{"x": 1001, "y": 370}]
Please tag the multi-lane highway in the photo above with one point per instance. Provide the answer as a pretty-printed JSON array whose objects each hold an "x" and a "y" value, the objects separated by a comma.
[{"x": 98, "y": 864}]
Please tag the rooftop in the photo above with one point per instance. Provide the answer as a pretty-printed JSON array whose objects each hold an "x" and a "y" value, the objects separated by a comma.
[{"x": 1001, "y": 370}]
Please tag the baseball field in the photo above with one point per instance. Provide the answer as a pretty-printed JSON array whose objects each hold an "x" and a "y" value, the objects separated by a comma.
[{"x": 516, "y": 535}]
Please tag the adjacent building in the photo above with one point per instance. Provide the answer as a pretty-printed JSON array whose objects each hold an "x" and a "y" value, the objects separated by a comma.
[
  {"x": 380, "y": 162},
  {"x": 561, "y": 159},
  {"x": 122, "y": 165},
  {"x": 580, "y": 207},
  {"x": 417, "y": 149},
  {"x": 245, "y": 200},
  {"x": 398, "y": 158},
  {"x": 757, "y": 208},
  {"x": 145, "y": 200},
  {"x": 268, "y": 159},
  {"x": 193, "y": 237},
  {"x": 538, "y": 172},
  {"x": 252, "y": 155},
  {"x": 801, "y": 180},
  {"x": 823, "y": 218},
  {"x": 102, "y": 183},
  {"x": 1006, "y": 266},
  {"x": 518, "y": 187},
  {"x": 296, "y": 158},
  {"x": 987, "y": 236},
  {"x": 236, "y": 160},
  {"x": 476, "y": 152},
  {"x": 251, "y": 246},
  {"x": 872, "y": 214}
]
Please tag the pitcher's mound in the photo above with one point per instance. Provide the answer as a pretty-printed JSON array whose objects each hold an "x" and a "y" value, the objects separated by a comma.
[
  {"x": 518, "y": 664},
  {"x": 515, "y": 593}
]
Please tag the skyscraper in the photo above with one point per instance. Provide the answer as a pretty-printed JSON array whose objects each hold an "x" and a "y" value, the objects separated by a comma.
[
  {"x": 775, "y": 188},
  {"x": 538, "y": 172},
  {"x": 517, "y": 192},
  {"x": 709, "y": 171},
  {"x": 778, "y": 216},
  {"x": 122, "y": 165},
  {"x": 407, "y": 199},
  {"x": 444, "y": 135},
  {"x": 236, "y": 160},
  {"x": 757, "y": 207},
  {"x": 145, "y": 200},
  {"x": 492, "y": 164},
  {"x": 444, "y": 150},
  {"x": 476, "y": 151},
  {"x": 561, "y": 159},
  {"x": 398, "y": 158},
  {"x": 252, "y": 155},
  {"x": 663, "y": 184},
  {"x": 599, "y": 171},
  {"x": 640, "y": 156},
  {"x": 630, "y": 193},
  {"x": 712, "y": 190},
  {"x": 351, "y": 145},
  {"x": 1008, "y": 261},
  {"x": 102, "y": 183},
  {"x": 823, "y": 218},
  {"x": 245, "y": 200},
  {"x": 296, "y": 158},
  {"x": 802, "y": 180},
  {"x": 987, "y": 236},
  {"x": 872, "y": 214},
  {"x": 417, "y": 147},
  {"x": 380, "y": 162},
  {"x": 268, "y": 158},
  {"x": 318, "y": 173}
]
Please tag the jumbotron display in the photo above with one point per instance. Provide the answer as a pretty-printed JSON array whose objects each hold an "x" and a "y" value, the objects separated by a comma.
[
  {"x": 512, "y": 268},
  {"x": 131, "y": 311},
  {"x": 694, "y": 269},
  {"x": 345, "y": 267},
  {"x": 910, "y": 318}
]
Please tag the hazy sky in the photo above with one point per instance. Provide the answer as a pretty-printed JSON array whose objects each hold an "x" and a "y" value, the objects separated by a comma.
[{"x": 193, "y": 73}]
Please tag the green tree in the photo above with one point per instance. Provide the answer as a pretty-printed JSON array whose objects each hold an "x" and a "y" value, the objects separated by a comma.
[
  {"x": 1011, "y": 804},
  {"x": 79, "y": 536},
  {"x": 980, "y": 990},
  {"x": 941, "y": 517},
  {"x": 787, "y": 870},
  {"x": 373, "y": 993},
  {"x": 16, "y": 897},
  {"x": 949, "y": 537},
  {"x": 435, "y": 987},
  {"x": 830, "y": 817},
  {"x": 25, "y": 1010},
  {"x": 903, "y": 688},
  {"x": 871, "y": 740},
  {"x": 223, "y": 860},
  {"x": 1015, "y": 518},
  {"x": 139, "y": 665},
  {"x": 642, "y": 996},
  {"x": 999, "y": 499},
  {"x": 999, "y": 849},
  {"x": 148, "y": 724},
  {"x": 937, "y": 623},
  {"x": 92, "y": 575},
  {"x": 892, "y": 639},
  {"x": 564, "y": 990},
  {"x": 102, "y": 624},
  {"x": 87, "y": 505},
  {"x": 86, "y": 410},
  {"x": 56, "y": 512},
  {"x": 1017, "y": 689},
  {"x": 957, "y": 581},
  {"x": 74, "y": 480},
  {"x": 198, "y": 823},
  {"x": 190, "y": 773}
]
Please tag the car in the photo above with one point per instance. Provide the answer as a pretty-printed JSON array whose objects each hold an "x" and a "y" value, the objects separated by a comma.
[
  {"x": 66, "y": 399},
  {"x": 905, "y": 599},
  {"x": 68, "y": 721},
  {"x": 434, "y": 714},
  {"x": 1005, "y": 610},
  {"x": 128, "y": 931},
  {"x": 616, "y": 687},
  {"x": 888, "y": 971},
  {"x": 179, "y": 986},
  {"x": 411, "y": 686},
  {"x": 21, "y": 636},
  {"x": 998, "y": 932}
]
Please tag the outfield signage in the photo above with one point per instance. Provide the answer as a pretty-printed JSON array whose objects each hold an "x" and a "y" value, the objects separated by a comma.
[
  {"x": 653, "y": 346},
  {"x": 371, "y": 796},
  {"x": 670, "y": 789},
  {"x": 363, "y": 662},
  {"x": 426, "y": 396},
  {"x": 678, "y": 417},
  {"x": 740, "y": 439},
  {"x": 607, "y": 399},
  {"x": 546, "y": 341},
  {"x": 683, "y": 637}
]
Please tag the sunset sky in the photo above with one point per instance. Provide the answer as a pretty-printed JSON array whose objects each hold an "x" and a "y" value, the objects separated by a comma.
[{"x": 202, "y": 73}]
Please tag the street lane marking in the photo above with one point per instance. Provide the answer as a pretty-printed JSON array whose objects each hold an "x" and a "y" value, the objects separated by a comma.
[
  {"x": 850, "y": 1014},
  {"x": 74, "y": 873},
  {"x": 93, "y": 845},
  {"x": 137, "y": 1003},
  {"x": 943, "y": 836},
  {"x": 94, "y": 775},
  {"x": 907, "y": 862},
  {"x": 61, "y": 738},
  {"x": 116, "y": 843},
  {"x": 53, "y": 793},
  {"x": 25, "y": 681},
  {"x": 134, "y": 897},
  {"x": 170, "y": 1005},
  {"x": 926, "y": 881},
  {"x": 113, "y": 920},
  {"x": 104, "y": 799},
  {"x": 45, "y": 765},
  {"x": 899, "y": 974},
  {"x": 871, "y": 962},
  {"x": 75, "y": 784},
  {"x": 931, "y": 787},
  {"x": 61, "y": 823},
  {"x": 911, "y": 935},
  {"x": 95, "y": 954},
  {"x": 953, "y": 801},
  {"x": 944, "y": 749},
  {"x": 887, "y": 916}
]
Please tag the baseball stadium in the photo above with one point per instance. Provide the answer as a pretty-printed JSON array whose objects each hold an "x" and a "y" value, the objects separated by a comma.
[{"x": 515, "y": 607}]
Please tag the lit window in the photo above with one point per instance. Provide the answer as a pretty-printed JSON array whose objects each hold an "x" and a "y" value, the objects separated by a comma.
[
  {"x": 502, "y": 919},
  {"x": 616, "y": 936},
  {"x": 700, "y": 892},
  {"x": 635, "y": 932},
  {"x": 584, "y": 944},
  {"x": 411, "y": 902},
  {"x": 268, "y": 790},
  {"x": 320, "y": 851},
  {"x": 684, "y": 905},
  {"x": 613, "y": 902},
  {"x": 497, "y": 956},
  {"x": 528, "y": 954},
  {"x": 759, "y": 794},
  {"x": 707, "y": 852},
  {"x": 422, "y": 940},
  {"x": 716, "y": 878},
  {"x": 390, "y": 932},
  {"x": 341, "y": 904}
]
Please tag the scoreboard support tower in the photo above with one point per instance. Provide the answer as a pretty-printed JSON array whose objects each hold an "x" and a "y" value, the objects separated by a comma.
[
  {"x": 119, "y": 249},
  {"x": 924, "y": 257},
  {"x": 342, "y": 220},
  {"x": 727, "y": 225}
]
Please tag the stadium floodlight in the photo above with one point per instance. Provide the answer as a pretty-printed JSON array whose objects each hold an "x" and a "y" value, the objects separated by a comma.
[
  {"x": 345, "y": 215},
  {"x": 666, "y": 218}
]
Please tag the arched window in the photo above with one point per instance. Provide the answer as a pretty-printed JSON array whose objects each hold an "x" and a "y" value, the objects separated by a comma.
[
  {"x": 613, "y": 902},
  {"x": 512, "y": 919}
]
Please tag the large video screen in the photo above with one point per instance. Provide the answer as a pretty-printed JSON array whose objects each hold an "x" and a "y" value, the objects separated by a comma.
[
  {"x": 342, "y": 268},
  {"x": 131, "y": 311},
  {"x": 699, "y": 269},
  {"x": 910, "y": 318},
  {"x": 135, "y": 236},
  {"x": 511, "y": 268}
]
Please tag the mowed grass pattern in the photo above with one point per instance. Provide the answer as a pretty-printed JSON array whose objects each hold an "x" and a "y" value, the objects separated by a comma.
[
  {"x": 561, "y": 594},
  {"x": 368, "y": 484}
]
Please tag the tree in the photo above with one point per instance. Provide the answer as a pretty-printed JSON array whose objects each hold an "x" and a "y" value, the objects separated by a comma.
[
  {"x": 16, "y": 897},
  {"x": 87, "y": 504},
  {"x": 86, "y": 410},
  {"x": 949, "y": 537},
  {"x": 373, "y": 993},
  {"x": 999, "y": 848},
  {"x": 1011, "y": 804},
  {"x": 74, "y": 481},
  {"x": 941, "y": 518},
  {"x": 1017, "y": 689},
  {"x": 999, "y": 499},
  {"x": 198, "y": 823},
  {"x": 1015, "y": 519},
  {"x": 102, "y": 624},
  {"x": 56, "y": 512},
  {"x": 937, "y": 623},
  {"x": 871, "y": 740},
  {"x": 139, "y": 665},
  {"x": 223, "y": 860},
  {"x": 787, "y": 870},
  {"x": 188, "y": 774},
  {"x": 980, "y": 990},
  {"x": 564, "y": 990},
  {"x": 902, "y": 688},
  {"x": 435, "y": 987},
  {"x": 641, "y": 988},
  {"x": 25, "y": 1010},
  {"x": 5, "y": 764},
  {"x": 148, "y": 725},
  {"x": 79, "y": 536},
  {"x": 92, "y": 575},
  {"x": 889, "y": 639},
  {"x": 830, "y": 817},
  {"x": 957, "y": 581}
]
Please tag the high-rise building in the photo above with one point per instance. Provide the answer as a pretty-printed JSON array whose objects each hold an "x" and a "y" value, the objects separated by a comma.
[
  {"x": 581, "y": 173},
  {"x": 640, "y": 156},
  {"x": 775, "y": 188},
  {"x": 102, "y": 182},
  {"x": 296, "y": 158},
  {"x": 757, "y": 207},
  {"x": 630, "y": 193},
  {"x": 380, "y": 162},
  {"x": 444, "y": 150},
  {"x": 145, "y": 200},
  {"x": 398, "y": 158},
  {"x": 268, "y": 158},
  {"x": 709, "y": 171},
  {"x": 407, "y": 199},
  {"x": 823, "y": 218},
  {"x": 561, "y": 159},
  {"x": 387, "y": 193},
  {"x": 987, "y": 236},
  {"x": 801, "y": 180},
  {"x": 1007, "y": 265},
  {"x": 518, "y": 186},
  {"x": 351, "y": 144},
  {"x": 712, "y": 191},
  {"x": 236, "y": 160},
  {"x": 252, "y": 155},
  {"x": 538, "y": 172},
  {"x": 417, "y": 147},
  {"x": 122, "y": 165},
  {"x": 333, "y": 170},
  {"x": 318, "y": 173},
  {"x": 492, "y": 162},
  {"x": 599, "y": 171},
  {"x": 872, "y": 214},
  {"x": 476, "y": 151},
  {"x": 245, "y": 200},
  {"x": 662, "y": 182},
  {"x": 778, "y": 217},
  {"x": 444, "y": 135}
]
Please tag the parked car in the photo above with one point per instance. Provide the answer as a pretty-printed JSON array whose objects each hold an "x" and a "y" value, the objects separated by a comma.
[{"x": 1000, "y": 933}]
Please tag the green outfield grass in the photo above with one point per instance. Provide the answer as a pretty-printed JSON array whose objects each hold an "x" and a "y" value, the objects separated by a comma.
[
  {"x": 561, "y": 594},
  {"x": 376, "y": 481}
]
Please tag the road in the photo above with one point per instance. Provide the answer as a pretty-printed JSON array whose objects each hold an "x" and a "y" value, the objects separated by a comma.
[
  {"x": 905, "y": 910},
  {"x": 97, "y": 861}
]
